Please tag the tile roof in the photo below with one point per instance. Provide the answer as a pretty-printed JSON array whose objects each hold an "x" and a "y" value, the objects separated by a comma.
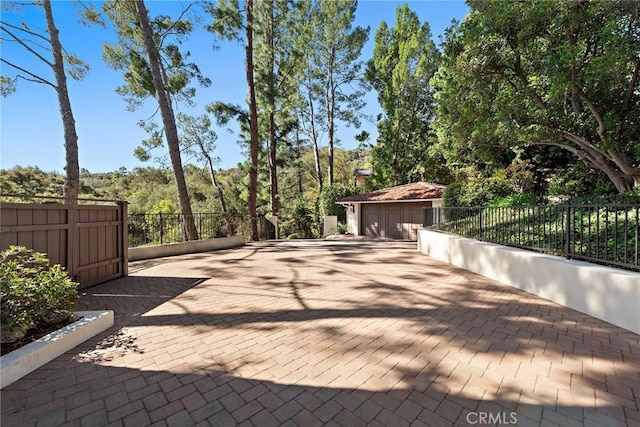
[
  {"x": 414, "y": 191},
  {"x": 363, "y": 172}
]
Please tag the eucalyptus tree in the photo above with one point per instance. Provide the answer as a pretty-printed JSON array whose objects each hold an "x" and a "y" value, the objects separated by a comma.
[
  {"x": 556, "y": 74},
  {"x": 46, "y": 47},
  {"x": 404, "y": 60},
  {"x": 147, "y": 51},
  {"x": 232, "y": 22},
  {"x": 336, "y": 46}
]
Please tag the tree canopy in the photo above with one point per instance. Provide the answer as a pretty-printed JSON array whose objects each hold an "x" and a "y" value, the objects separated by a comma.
[
  {"x": 553, "y": 73},
  {"x": 521, "y": 99},
  {"x": 153, "y": 65},
  {"x": 404, "y": 60},
  {"x": 335, "y": 50}
]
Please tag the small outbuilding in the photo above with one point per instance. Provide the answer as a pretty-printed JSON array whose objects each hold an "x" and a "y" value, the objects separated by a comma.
[
  {"x": 360, "y": 177},
  {"x": 393, "y": 213}
]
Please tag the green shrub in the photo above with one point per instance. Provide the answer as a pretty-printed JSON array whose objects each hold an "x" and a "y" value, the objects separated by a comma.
[
  {"x": 515, "y": 200},
  {"x": 328, "y": 198},
  {"x": 580, "y": 181},
  {"x": 476, "y": 191},
  {"x": 301, "y": 223},
  {"x": 520, "y": 176},
  {"x": 31, "y": 289},
  {"x": 342, "y": 229},
  {"x": 452, "y": 195},
  {"x": 603, "y": 199}
]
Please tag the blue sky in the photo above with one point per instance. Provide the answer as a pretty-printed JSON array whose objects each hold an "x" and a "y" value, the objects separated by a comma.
[{"x": 31, "y": 128}]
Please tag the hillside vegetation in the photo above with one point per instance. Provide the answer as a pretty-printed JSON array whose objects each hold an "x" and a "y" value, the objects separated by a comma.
[{"x": 152, "y": 190}]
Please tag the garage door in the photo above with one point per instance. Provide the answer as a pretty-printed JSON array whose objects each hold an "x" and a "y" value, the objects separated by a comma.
[{"x": 392, "y": 220}]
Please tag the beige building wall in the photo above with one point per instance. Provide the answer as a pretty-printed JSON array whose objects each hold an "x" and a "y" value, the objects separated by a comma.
[{"x": 360, "y": 181}]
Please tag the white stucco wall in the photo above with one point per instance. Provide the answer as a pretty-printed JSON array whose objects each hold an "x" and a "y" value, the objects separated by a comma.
[
  {"x": 607, "y": 293},
  {"x": 353, "y": 219},
  {"x": 329, "y": 225}
]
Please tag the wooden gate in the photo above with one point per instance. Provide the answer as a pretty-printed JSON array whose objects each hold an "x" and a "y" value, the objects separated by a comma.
[{"x": 90, "y": 241}]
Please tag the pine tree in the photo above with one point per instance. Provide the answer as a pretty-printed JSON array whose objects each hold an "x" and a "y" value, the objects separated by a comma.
[
  {"x": 31, "y": 40},
  {"x": 140, "y": 50}
]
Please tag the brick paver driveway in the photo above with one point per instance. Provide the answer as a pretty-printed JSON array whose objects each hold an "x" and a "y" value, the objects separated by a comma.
[{"x": 333, "y": 333}]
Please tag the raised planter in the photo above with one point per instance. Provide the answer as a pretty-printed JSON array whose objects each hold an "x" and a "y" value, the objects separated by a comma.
[{"x": 24, "y": 360}]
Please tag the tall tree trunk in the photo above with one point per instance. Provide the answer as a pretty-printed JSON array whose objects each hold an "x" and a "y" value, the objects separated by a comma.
[
  {"x": 314, "y": 139},
  {"x": 622, "y": 182},
  {"x": 253, "y": 125},
  {"x": 72, "y": 168},
  {"x": 214, "y": 182},
  {"x": 331, "y": 124},
  {"x": 299, "y": 171},
  {"x": 223, "y": 204},
  {"x": 169, "y": 122},
  {"x": 273, "y": 165}
]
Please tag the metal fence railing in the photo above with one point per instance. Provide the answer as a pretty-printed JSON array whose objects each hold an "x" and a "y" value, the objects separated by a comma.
[
  {"x": 603, "y": 234},
  {"x": 162, "y": 228}
]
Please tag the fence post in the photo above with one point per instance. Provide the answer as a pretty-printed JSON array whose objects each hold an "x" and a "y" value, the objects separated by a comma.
[
  {"x": 161, "y": 228},
  {"x": 72, "y": 241},
  {"x": 480, "y": 219},
  {"x": 568, "y": 233},
  {"x": 124, "y": 237},
  {"x": 637, "y": 236},
  {"x": 427, "y": 217}
]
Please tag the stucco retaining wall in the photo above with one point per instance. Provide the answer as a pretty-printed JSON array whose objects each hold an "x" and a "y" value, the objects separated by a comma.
[
  {"x": 148, "y": 252},
  {"x": 610, "y": 294}
]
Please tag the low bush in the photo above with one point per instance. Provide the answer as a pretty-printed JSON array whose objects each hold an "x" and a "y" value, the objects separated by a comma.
[
  {"x": 31, "y": 290},
  {"x": 630, "y": 198},
  {"x": 453, "y": 194},
  {"x": 580, "y": 181},
  {"x": 525, "y": 199},
  {"x": 300, "y": 225},
  {"x": 330, "y": 194},
  {"x": 475, "y": 192}
]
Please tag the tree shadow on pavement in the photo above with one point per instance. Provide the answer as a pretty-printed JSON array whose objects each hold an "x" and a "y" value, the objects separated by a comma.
[{"x": 273, "y": 338}]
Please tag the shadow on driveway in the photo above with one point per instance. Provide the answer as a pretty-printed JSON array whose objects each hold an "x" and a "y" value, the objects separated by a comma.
[{"x": 322, "y": 333}]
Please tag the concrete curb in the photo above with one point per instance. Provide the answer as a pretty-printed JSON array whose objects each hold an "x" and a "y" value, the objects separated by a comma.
[{"x": 22, "y": 361}]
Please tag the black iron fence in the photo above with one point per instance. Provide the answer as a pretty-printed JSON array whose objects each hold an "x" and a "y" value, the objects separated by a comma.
[
  {"x": 603, "y": 234},
  {"x": 162, "y": 228}
]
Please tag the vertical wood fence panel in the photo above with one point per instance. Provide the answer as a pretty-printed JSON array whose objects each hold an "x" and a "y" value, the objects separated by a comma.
[{"x": 90, "y": 241}]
